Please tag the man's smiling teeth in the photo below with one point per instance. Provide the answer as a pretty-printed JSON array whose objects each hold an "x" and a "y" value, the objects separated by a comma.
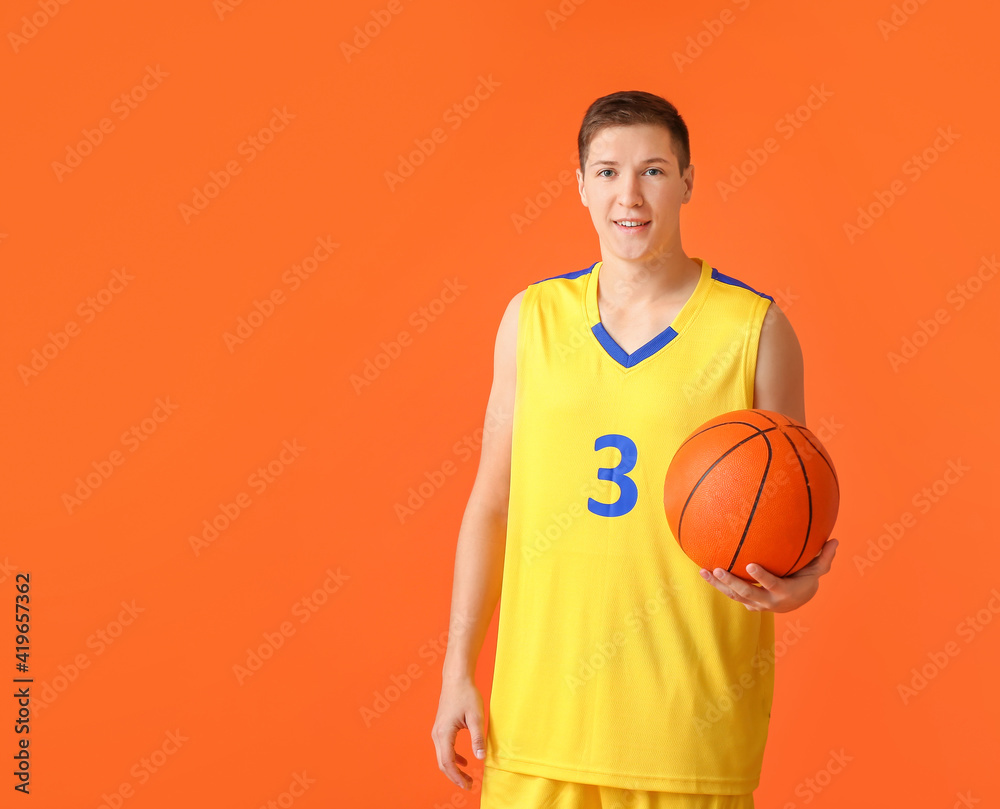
[{"x": 629, "y": 223}]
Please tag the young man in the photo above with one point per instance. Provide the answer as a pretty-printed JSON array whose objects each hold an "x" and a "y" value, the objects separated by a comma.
[{"x": 624, "y": 675}]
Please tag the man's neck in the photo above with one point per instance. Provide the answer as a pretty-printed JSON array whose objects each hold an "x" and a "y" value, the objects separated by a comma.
[{"x": 663, "y": 278}]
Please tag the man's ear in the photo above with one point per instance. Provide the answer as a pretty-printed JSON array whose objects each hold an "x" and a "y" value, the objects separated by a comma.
[
  {"x": 583, "y": 193},
  {"x": 690, "y": 179}
]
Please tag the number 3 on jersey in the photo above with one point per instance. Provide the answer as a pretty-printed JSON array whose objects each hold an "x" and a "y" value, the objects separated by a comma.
[{"x": 629, "y": 492}]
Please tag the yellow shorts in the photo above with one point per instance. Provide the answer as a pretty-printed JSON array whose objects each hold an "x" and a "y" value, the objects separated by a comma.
[{"x": 511, "y": 790}]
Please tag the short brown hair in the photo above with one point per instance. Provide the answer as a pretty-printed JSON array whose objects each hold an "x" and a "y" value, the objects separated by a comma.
[{"x": 631, "y": 107}]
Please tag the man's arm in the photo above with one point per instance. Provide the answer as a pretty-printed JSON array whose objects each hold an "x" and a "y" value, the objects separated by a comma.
[
  {"x": 482, "y": 540},
  {"x": 778, "y": 386},
  {"x": 483, "y": 533},
  {"x": 779, "y": 382}
]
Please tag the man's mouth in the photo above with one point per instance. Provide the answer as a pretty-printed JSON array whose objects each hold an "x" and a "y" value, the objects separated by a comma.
[{"x": 631, "y": 225}]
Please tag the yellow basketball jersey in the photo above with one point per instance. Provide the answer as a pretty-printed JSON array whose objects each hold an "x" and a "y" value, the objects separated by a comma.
[{"x": 616, "y": 663}]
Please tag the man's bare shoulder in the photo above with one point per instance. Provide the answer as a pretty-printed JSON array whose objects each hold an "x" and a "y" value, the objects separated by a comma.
[{"x": 508, "y": 323}]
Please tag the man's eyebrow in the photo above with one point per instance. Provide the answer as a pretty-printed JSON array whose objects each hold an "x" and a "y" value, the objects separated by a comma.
[{"x": 645, "y": 162}]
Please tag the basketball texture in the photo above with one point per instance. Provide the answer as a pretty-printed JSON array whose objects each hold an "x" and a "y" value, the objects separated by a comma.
[{"x": 751, "y": 486}]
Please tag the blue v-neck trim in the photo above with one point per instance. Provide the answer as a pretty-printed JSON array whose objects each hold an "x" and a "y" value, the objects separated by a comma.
[
  {"x": 661, "y": 340},
  {"x": 618, "y": 354}
]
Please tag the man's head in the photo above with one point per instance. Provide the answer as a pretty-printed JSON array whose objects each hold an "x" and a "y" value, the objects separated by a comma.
[
  {"x": 630, "y": 107},
  {"x": 635, "y": 174}
]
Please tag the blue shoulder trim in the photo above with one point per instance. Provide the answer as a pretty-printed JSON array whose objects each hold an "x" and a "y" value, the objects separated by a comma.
[
  {"x": 574, "y": 274},
  {"x": 728, "y": 279}
]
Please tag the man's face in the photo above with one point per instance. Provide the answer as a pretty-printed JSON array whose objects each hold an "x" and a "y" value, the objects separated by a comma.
[{"x": 632, "y": 176}]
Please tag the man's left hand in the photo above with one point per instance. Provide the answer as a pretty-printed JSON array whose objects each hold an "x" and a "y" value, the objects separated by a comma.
[{"x": 775, "y": 593}]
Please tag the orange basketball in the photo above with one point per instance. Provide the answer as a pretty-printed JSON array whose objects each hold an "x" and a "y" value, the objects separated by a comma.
[{"x": 751, "y": 487}]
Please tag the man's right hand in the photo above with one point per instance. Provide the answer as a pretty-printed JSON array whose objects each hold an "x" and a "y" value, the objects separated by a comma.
[{"x": 461, "y": 706}]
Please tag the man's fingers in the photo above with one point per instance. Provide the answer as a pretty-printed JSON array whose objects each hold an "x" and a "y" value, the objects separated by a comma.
[
  {"x": 822, "y": 561},
  {"x": 736, "y": 588},
  {"x": 828, "y": 551},
  {"x": 456, "y": 775},
  {"x": 445, "y": 746},
  {"x": 766, "y": 578}
]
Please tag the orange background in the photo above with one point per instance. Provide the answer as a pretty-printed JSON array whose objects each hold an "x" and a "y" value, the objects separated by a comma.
[{"x": 332, "y": 506}]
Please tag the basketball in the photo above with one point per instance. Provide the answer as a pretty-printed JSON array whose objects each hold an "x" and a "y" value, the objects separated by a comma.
[{"x": 751, "y": 487}]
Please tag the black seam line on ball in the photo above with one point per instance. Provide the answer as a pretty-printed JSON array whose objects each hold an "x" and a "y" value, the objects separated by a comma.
[
  {"x": 747, "y": 423},
  {"x": 694, "y": 488},
  {"x": 760, "y": 488},
  {"x": 823, "y": 456},
  {"x": 805, "y": 477}
]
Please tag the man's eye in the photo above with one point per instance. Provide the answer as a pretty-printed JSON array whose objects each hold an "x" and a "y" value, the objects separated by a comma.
[{"x": 601, "y": 172}]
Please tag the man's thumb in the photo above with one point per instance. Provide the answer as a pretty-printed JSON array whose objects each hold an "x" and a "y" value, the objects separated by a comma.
[{"x": 476, "y": 731}]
